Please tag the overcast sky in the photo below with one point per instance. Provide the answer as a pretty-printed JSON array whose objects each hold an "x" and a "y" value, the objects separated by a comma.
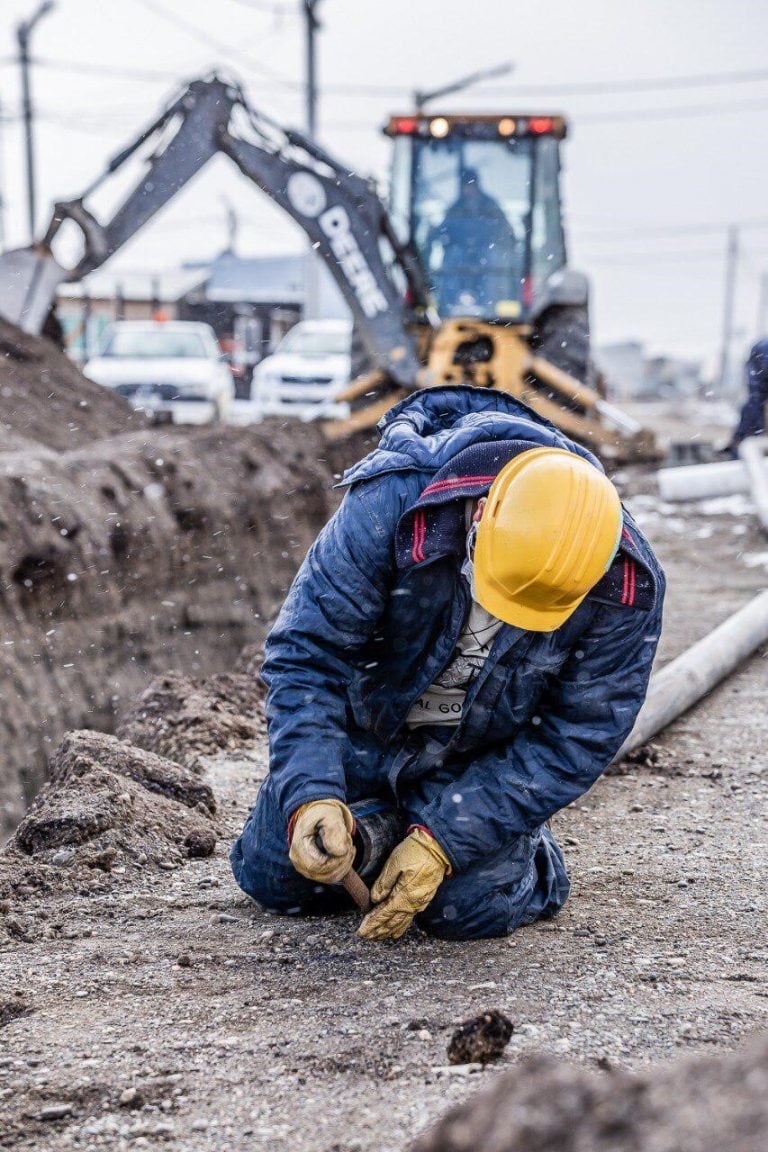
[{"x": 652, "y": 176}]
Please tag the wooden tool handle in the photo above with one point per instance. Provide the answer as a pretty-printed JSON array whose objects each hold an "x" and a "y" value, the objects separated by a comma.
[{"x": 358, "y": 890}]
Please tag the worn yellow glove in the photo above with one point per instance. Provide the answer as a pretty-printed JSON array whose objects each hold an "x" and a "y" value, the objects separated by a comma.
[
  {"x": 408, "y": 881},
  {"x": 321, "y": 840}
]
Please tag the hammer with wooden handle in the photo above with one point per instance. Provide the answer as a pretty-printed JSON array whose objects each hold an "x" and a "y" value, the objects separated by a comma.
[
  {"x": 356, "y": 887},
  {"x": 358, "y": 890}
]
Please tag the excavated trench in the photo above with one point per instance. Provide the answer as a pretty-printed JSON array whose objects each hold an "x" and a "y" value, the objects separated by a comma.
[{"x": 126, "y": 550}]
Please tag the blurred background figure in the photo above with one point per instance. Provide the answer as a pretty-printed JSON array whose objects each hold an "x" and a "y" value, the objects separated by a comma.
[{"x": 752, "y": 418}]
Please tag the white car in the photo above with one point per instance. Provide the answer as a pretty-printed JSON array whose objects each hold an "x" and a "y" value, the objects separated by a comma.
[
  {"x": 172, "y": 369},
  {"x": 310, "y": 365}
]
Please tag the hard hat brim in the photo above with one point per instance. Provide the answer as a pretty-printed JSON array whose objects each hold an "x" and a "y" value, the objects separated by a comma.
[{"x": 520, "y": 615}]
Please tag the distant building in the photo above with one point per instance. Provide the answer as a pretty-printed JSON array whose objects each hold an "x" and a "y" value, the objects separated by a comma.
[
  {"x": 622, "y": 365},
  {"x": 632, "y": 375},
  {"x": 670, "y": 376},
  {"x": 86, "y": 308}
]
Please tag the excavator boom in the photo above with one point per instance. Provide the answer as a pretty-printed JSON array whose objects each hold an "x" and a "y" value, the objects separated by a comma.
[{"x": 340, "y": 212}]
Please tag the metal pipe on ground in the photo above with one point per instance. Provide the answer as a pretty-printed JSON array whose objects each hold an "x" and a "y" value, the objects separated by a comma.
[
  {"x": 686, "y": 680},
  {"x": 753, "y": 452},
  {"x": 703, "y": 481}
]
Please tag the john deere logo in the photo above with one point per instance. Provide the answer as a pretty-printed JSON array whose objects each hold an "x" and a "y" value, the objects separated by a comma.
[{"x": 306, "y": 194}]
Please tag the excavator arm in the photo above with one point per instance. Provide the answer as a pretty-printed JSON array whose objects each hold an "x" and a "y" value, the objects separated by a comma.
[{"x": 340, "y": 212}]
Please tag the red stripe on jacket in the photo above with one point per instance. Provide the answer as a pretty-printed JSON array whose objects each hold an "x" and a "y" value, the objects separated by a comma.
[
  {"x": 419, "y": 536},
  {"x": 456, "y": 481},
  {"x": 630, "y": 579}
]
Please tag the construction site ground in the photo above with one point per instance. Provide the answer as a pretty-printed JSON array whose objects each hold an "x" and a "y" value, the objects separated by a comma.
[{"x": 153, "y": 1006}]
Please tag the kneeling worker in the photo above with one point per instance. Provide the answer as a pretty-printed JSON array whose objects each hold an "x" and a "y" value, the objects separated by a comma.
[{"x": 470, "y": 639}]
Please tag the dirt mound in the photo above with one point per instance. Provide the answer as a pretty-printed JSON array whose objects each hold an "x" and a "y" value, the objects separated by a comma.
[
  {"x": 700, "y": 1105},
  {"x": 45, "y": 399},
  {"x": 126, "y": 551},
  {"x": 107, "y": 804},
  {"x": 148, "y": 551},
  {"x": 183, "y": 718}
]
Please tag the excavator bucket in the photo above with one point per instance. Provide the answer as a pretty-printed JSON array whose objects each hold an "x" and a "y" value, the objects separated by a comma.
[{"x": 29, "y": 278}]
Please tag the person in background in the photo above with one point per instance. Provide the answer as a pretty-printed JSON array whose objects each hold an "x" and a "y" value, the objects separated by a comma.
[
  {"x": 478, "y": 253},
  {"x": 753, "y": 412}
]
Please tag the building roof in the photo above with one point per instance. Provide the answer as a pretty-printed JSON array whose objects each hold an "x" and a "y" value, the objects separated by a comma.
[
  {"x": 137, "y": 284},
  {"x": 227, "y": 279},
  {"x": 270, "y": 279}
]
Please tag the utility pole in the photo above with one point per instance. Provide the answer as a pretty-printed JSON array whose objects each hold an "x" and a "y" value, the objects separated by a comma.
[
  {"x": 762, "y": 309},
  {"x": 312, "y": 26},
  {"x": 729, "y": 299},
  {"x": 233, "y": 225},
  {"x": 23, "y": 33},
  {"x": 2, "y": 180}
]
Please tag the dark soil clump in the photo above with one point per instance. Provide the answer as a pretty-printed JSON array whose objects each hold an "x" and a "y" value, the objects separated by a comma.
[
  {"x": 480, "y": 1040},
  {"x": 108, "y": 803}
]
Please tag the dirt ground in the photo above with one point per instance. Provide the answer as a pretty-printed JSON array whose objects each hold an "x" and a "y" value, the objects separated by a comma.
[{"x": 145, "y": 1003}]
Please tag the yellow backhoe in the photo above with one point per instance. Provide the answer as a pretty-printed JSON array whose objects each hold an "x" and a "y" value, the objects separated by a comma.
[{"x": 462, "y": 279}]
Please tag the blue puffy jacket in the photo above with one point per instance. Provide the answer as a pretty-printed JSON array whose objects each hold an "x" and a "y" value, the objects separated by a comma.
[{"x": 374, "y": 615}]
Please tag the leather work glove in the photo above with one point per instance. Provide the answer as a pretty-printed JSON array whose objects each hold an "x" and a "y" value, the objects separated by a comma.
[
  {"x": 413, "y": 873},
  {"x": 321, "y": 840}
]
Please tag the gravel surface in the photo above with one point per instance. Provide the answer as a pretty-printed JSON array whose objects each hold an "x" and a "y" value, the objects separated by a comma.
[{"x": 156, "y": 1007}]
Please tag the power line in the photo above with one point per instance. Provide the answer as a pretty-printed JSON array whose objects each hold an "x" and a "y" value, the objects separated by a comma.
[
  {"x": 650, "y": 84},
  {"x": 670, "y": 113},
  {"x": 204, "y": 37},
  {"x": 590, "y": 88},
  {"x": 386, "y": 90},
  {"x": 627, "y": 115},
  {"x": 609, "y": 234},
  {"x": 269, "y": 8},
  {"x": 118, "y": 73}
]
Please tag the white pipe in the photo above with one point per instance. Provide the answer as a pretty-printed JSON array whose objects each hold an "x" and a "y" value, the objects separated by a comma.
[
  {"x": 684, "y": 681},
  {"x": 703, "y": 481},
  {"x": 753, "y": 453},
  {"x": 618, "y": 418}
]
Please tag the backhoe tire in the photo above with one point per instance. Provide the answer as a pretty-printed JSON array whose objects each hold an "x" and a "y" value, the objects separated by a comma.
[{"x": 562, "y": 337}]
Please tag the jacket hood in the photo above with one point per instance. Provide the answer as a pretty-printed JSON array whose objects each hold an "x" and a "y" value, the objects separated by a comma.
[{"x": 427, "y": 429}]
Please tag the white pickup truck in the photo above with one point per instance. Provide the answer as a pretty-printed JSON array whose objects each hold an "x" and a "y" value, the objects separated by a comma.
[
  {"x": 172, "y": 369},
  {"x": 310, "y": 365}
]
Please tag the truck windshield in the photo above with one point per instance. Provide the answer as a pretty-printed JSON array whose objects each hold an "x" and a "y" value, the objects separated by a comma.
[
  {"x": 470, "y": 213},
  {"x": 314, "y": 342},
  {"x": 156, "y": 344}
]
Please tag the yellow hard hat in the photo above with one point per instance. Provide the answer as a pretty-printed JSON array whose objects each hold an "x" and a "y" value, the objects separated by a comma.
[{"x": 549, "y": 531}]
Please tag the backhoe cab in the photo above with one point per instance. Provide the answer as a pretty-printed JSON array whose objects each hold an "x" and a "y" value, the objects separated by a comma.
[
  {"x": 479, "y": 199},
  {"x": 475, "y": 205}
]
